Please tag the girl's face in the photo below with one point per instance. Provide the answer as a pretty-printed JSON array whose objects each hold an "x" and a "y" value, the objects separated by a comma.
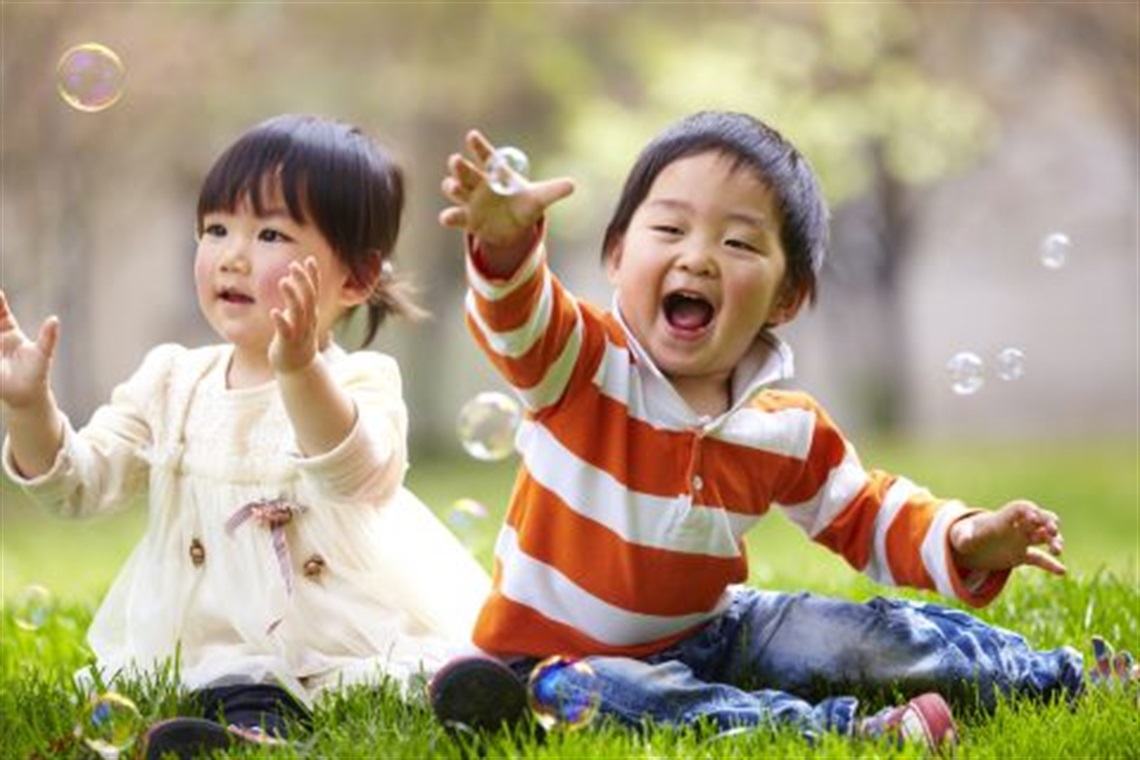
[
  {"x": 700, "y": 271},
  {"x": 241, "y": 260}
]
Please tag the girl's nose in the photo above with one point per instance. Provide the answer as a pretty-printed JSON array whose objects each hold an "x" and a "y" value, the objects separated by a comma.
[{"x": 233, "y": 258}]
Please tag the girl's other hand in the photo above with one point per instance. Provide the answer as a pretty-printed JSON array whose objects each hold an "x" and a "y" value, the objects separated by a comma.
[{"x": 24, "y": 364}]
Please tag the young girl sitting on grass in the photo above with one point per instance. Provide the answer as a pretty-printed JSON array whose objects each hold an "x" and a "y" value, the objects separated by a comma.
[{"x": 282, "y": 555}]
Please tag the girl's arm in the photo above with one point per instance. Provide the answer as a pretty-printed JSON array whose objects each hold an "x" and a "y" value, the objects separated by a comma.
[{"x": 35, "y": 424}]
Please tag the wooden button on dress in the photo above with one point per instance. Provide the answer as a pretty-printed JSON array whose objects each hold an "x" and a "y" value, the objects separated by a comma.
[
  {"x": 313, "y": 566},
  {"x": 197, "y": 553}
]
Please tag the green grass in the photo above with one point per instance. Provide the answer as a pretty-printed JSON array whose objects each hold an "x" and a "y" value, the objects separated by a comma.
[{"x": 1092, "y": 486}]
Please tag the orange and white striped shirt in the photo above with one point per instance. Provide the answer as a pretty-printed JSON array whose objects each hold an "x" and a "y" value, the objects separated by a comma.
[{"x": 625, "y": 528}]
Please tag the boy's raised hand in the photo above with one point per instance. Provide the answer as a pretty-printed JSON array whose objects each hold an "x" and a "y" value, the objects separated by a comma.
[
  {"x": 1009, "y": 537},
  {"x": 503, "y": 225},
  {"x": 24, "y": 364}
]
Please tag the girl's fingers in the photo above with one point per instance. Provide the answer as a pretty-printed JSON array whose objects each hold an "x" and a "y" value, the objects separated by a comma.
[
  {"x": 453, "y": 216},
  {"x": 48, "y": 336}
]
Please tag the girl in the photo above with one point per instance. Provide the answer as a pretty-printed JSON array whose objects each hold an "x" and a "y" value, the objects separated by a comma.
[{"x": 282, "y": 554}]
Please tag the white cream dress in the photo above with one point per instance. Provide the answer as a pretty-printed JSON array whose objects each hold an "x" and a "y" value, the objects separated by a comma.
[{"x": 260, "y": 564}]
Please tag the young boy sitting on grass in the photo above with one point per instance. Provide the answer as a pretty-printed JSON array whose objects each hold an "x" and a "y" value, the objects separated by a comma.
[{"x": 653, "y": 442}]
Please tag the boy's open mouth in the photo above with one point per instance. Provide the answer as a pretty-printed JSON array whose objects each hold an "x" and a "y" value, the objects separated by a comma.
[{"x": 687, "y": 311}]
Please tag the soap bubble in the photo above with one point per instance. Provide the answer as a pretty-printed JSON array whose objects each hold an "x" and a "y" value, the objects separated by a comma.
[
  {"x": 109, "y": 723},
  {"x": 507, "y": 169},
  {"x": 487, "y": 425},
  {"x": 33, "y": 607},
  {"x": 466, "y": 514},
  {"x": 563, "y": 693},
  {"x": 1055, "y": 250},
  {"x": 89, "y": 77},
  {"x": 965, "y": 370},
  {"x": 1010, "y": 363}
]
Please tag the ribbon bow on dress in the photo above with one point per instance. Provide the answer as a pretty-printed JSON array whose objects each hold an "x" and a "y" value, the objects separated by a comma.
[{"x": 273, "y": 514}]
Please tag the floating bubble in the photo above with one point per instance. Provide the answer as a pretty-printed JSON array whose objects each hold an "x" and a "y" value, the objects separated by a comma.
[
  {"x": 1010, "y": 363},
  {"x": 487, "y": 425},
  {"x": 507, "y": 169},
  {"x": 563, "y": 693},
  {"x": 89, "y": 77},
  {"x": 466, "y": 514},
  {"x": 965, "y": 369},
  {"x": 109, "y": 723},
  {"x": 33, "y": 607},
  {"x": 1055, "y": 250}
]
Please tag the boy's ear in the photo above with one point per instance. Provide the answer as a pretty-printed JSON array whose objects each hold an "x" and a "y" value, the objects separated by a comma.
[
  {"x": 359, "y": 284},
  {"x": 787, "y": 304}
]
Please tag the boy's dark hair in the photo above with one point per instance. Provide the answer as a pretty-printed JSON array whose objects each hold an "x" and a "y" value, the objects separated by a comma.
[
  {"x": 750, "y": 144},
  {"x": 331, "y": 176}
]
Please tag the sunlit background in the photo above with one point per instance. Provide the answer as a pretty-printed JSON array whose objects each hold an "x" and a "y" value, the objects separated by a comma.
[{"x": 981, "y": 162}]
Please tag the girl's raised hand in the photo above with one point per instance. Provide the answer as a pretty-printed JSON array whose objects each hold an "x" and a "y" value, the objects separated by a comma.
[
  {"x": 24, "y": 364},
  {"x": 295, "y": 340},
  {"x": 500, "y": 223}
]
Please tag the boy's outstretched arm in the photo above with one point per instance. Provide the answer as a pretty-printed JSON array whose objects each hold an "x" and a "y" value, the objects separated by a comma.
[
  {"x": 1009, "y": 537},
  {"x": 35, "y": 425},
  {"x": 503, "y": 225}
]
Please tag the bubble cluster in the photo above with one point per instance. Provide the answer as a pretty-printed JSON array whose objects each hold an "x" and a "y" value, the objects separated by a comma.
[
  {"x": 487, "y": 425},
  {"x": 966, "y": 372},
  {"x": 563, "y": 693},
  {"x": 33, "y": 607},
  {"x": 89, "y": 77},
  {"x": 109, "y": 724},
  {"x": 507, "y": 169},
  {"x": 1055, "y": 250},
  {"x": 1010, "y": 364}
]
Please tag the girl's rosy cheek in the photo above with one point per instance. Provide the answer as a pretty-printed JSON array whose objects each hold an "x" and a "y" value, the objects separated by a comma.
[{"x": 268, "y": 285}]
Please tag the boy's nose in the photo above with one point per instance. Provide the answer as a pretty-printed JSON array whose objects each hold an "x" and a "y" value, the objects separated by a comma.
[{"x": 696, "y": 259}]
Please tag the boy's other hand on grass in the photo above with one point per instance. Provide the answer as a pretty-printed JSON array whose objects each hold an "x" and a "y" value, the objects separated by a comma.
[
  {"x": 503, "y": 225},
  {"x": 1009, "y": 537}
]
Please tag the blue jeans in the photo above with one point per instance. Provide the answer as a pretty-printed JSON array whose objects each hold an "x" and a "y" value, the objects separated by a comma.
[{"x": 798, "y": 659}]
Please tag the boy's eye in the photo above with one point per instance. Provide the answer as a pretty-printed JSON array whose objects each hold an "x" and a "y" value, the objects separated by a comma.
[
  {"x": 741, "y": 244},
  {"x": 666, "y": 229}
]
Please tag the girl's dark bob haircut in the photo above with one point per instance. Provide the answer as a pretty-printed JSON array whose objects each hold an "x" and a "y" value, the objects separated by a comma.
[{"x": 333, "y": 177}]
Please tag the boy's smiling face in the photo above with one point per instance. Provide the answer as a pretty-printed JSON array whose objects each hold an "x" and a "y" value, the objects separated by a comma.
[{"x": 700, "y": 271}]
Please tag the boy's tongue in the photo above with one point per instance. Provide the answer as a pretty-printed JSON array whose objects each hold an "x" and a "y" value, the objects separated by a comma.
[{"x": 688, "y": 313}]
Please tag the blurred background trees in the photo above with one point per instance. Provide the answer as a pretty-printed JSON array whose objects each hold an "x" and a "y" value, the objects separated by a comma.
[{"x": 950, "y": 139}]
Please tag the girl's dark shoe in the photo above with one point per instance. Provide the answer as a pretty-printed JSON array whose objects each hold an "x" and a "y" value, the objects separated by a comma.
[{"x": 477, "y": 693}]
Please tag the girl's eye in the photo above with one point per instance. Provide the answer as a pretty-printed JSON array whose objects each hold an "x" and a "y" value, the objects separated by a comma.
[
  {"x": 667, "y": 229},
  {"x": 273, "y": 236},
  {"x": 214, "y": 230}
]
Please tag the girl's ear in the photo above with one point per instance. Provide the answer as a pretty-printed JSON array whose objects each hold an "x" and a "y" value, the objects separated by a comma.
[
  {"x": 787, "y": 305},
  {"x": 360, "y": 282},
  {"x": 613, "y": 260}
]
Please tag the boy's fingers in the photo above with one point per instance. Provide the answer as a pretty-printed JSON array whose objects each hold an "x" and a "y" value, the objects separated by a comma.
[
  {"x": 1044, "y": 562},
  {"x": 453, "y": 216},
  {"x": 551, "y": 190},
  {"x": 479, "y": 146}
]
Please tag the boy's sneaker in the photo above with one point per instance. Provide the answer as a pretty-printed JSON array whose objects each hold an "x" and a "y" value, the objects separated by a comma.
[
  {"x": 926, "y": 719},
  {"x": 186, "y": 738},
  {"x": 477, "y": 693}
]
